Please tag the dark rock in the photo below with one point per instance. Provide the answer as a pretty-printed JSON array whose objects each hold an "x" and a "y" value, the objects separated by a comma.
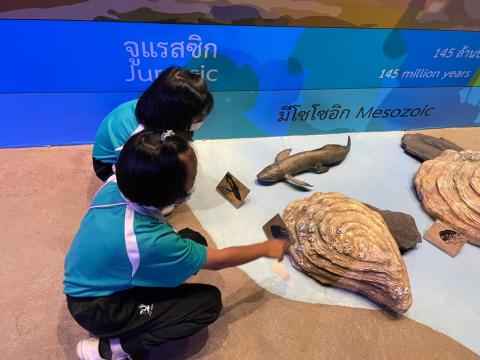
[
  {"x": 426, "y": 147},
  {"x": 402, "y": 226}
]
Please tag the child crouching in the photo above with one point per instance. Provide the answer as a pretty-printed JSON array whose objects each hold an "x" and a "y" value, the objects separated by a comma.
[{"x": 126, "y": 268}]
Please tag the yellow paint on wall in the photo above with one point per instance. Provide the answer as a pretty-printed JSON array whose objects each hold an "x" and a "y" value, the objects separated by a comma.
[
  {"x": 475, "y": 81},
  {"x": 372, "y": 16}
]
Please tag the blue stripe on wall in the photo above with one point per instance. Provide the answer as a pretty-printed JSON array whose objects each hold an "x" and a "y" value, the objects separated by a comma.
[
  {"x": 58, "y": 79},
  {"x": 65, "y": 119}
]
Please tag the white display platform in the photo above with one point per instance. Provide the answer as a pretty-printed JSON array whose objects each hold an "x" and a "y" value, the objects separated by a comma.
[{"x": 446, "y": 291}]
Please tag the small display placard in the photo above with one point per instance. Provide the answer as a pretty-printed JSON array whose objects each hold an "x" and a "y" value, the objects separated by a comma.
[
  {"x": 232, "y": 190},
  {"x": 445, "y": 238},
  {"x": 276, "y": 228}
]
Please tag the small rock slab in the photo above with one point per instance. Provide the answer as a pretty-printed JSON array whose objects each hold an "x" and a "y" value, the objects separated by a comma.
[
  {"x": 402, "y": 226},
  {"x": 426, "y": 147}
]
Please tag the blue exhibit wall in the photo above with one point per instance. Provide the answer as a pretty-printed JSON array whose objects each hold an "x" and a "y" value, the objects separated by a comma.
[{"x": 58, "y": 79}]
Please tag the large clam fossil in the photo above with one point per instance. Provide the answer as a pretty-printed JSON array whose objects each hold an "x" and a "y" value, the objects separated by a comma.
[
  {"x": 449, "y": 189},
  {"x": 341, "y": 242}
]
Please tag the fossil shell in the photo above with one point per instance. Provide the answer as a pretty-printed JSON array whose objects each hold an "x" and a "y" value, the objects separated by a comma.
[
  {"x": 350, "y": 248},
  {"x": 449, "y": 189}
]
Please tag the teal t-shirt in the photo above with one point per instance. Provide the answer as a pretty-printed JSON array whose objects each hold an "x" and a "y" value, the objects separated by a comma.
[
  {"x": 117, "y": 248},
  {"x": 114, "y": 131}
]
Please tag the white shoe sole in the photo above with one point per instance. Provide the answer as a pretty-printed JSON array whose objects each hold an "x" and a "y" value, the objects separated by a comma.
[{"x": 86, "y": 350}]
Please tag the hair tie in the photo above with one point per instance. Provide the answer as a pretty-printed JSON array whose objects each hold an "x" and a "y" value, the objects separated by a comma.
[{"x": 166, "y": 135}]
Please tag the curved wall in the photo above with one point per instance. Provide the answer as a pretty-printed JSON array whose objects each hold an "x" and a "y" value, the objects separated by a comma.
[{"x": 59, "y": 76}]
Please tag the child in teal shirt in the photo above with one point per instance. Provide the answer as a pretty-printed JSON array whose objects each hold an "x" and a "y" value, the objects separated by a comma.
[
  {"x": 126, "y": 268},
  {"x": 177, "y": 100}
]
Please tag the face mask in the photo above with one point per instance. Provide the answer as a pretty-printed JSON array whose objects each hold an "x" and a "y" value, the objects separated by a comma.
[
  {"x": 196, "y": 126},
  {"x": 145, "y": 210}
]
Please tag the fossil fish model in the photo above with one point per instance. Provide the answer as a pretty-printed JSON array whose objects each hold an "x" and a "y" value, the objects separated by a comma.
[
  {"x": 339, "y": 241},
  {"x": 449, "y": 189},
  {"x": 318, "y": 160}
]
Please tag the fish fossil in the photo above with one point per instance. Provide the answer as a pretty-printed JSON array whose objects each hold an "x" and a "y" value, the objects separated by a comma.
[
  {"x": 233, "y": 188},
  {"x": 318, "y": 160},
  {"x": 279, "y": 232}
]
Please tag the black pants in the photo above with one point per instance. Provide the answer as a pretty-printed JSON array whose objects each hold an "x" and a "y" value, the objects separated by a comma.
[
  {"x": 102, "y": 170},
  {"x": 143, "y": 318}
]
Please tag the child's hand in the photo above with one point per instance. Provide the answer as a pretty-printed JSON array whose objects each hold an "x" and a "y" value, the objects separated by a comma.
[
  {"x": 238, "y": 255},
  {"x": 276, "y": 248}
]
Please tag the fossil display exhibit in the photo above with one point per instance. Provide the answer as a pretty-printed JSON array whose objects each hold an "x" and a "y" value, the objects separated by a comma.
[
  {"x": 426, "y": 147},
  {"x": 341, "y": 242},
  {"x": 318, "y": 160},
  {"x": 449, "y": 189}
]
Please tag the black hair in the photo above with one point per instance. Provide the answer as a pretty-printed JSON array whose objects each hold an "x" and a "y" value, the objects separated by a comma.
[
  {"x": 149, "y": 171},
  {"x": 173, "y": 100}
]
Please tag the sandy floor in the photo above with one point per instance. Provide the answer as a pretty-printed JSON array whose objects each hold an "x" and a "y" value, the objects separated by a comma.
[{"x": 44, "y": 193}]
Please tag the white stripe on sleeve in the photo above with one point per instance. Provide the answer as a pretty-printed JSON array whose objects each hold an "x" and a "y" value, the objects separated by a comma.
[{"x": 136, "y": 131}]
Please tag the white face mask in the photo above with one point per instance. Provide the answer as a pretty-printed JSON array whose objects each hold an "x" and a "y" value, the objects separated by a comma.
[{"x": 196, "y": 126}]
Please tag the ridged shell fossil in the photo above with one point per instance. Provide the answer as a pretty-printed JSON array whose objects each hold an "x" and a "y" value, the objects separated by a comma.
[
  {"x": 449, "y": 189},
  {"x": 340, "y": 242}
]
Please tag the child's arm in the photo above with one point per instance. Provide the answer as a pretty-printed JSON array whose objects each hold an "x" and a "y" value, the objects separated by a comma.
[{"x": 237, "y": 255}]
